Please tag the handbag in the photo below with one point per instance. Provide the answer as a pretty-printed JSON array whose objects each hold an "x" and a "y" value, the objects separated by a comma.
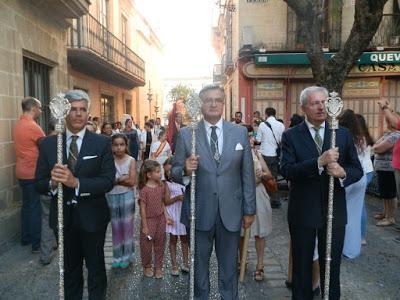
[{"x": 270, "y": 185}]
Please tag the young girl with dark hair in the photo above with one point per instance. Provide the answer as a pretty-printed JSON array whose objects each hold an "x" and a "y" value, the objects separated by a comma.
[
  {"x": 122, "y": 202},
  {"x": 152, "y": 198}
]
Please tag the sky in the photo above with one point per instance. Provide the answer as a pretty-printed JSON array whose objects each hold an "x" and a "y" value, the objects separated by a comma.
[{"x": 184, "y": 28}]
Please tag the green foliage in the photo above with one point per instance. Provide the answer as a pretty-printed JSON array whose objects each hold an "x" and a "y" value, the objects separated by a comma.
[{"x": 180, "y": 92}]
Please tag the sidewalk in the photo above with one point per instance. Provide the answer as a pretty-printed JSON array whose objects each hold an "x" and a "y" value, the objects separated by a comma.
[{"x": 373, "y": 275}]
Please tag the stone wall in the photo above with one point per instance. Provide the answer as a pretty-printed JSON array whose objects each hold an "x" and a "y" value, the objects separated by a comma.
[{"x": 24, "y": 30}]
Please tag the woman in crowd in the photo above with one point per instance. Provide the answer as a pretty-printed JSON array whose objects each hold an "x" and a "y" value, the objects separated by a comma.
[
  {"x": 106, "y": 129},
  {"x": 383, "y": 149},
  {"x": 355, "y": 193},
  {"x": 262, "y": 225},
  {"x": 133, "y": 138},
  {"x": 368, "y": 170}
]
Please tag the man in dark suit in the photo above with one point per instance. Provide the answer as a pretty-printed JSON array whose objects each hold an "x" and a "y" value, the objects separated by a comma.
[
  {"x": 225, "y": 191},
  {"x": 307, "y": 162},
  {"x": 87, "y": 174}
]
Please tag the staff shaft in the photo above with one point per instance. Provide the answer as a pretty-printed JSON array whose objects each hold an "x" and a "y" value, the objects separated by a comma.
[{"x": 192, "y": 218}]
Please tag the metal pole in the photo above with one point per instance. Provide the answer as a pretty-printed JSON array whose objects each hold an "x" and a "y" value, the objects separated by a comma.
[
  {"x": 192, "y": 217},
  {"x": 193, "y": 107},
  {"x": 59, "y": 107},
  {"x": 333, "y": 106}
]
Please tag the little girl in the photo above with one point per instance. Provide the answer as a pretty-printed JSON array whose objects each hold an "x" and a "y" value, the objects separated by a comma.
[
  {"x": 122, "y": 202},
  {"x": 177, "y": 229},
  {"x": 152, "y": 197}
]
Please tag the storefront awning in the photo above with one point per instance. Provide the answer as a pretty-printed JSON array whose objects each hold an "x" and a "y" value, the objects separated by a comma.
[{"x": 302, "y": 58}]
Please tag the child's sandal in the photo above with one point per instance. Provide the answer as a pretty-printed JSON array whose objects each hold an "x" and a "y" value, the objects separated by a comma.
[
  {"x": 148, "y": 272},
  {"x": 259, "y": 274}
]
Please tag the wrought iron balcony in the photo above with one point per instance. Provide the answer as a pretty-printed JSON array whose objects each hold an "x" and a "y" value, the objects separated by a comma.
[
  {"x": 217, "y": 73},
  {"x": 95, "y": 51},
  {"x": 62, "y": 9},
  {"x": 388, "y": 33}
]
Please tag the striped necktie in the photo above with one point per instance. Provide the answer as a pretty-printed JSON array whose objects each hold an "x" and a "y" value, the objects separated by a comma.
[{"x": 318, "y": 138}]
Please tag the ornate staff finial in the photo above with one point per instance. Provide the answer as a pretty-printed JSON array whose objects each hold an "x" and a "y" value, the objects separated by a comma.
[
  {"x": 193, "y": 107},
  {"x": 333, "y": 105}
]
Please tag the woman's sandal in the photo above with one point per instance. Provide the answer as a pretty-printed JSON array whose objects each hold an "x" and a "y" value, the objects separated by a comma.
[{"x": 259, "y": 274}]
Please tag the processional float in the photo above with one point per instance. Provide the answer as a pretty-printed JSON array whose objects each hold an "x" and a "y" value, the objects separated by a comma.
[
  {"x": 333, "y": 105},
  {"x": 59, "y": 107},
  {"x": 193, "y": 107}
]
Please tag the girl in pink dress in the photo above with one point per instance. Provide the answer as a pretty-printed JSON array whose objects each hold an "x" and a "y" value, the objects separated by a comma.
[
  {"x": 176, "y": 229},
  {"x": 152, "y": 197}
]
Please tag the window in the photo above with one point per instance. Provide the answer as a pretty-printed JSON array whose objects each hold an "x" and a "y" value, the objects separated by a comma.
[
  {"x": 107, "y": 108},
  {"x": 103, "y": 12},
  {"x": 124, "y": 23},
  {"x": 36, "y": 84},
  {"x": 128, "y": 106}
]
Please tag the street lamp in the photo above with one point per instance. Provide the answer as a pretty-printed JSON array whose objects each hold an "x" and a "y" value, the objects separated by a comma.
[
  {"x": 156, "y": 109},
  {"x": 149, "y": 97}
]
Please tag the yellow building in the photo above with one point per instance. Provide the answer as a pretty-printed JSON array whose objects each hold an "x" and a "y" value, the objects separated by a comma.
[
  {"x": 105, "y": 47},
  {"x": 263, "y": 62}
]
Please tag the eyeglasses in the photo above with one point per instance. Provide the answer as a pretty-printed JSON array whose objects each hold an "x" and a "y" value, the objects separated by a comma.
[{"x": 214, "y": 101}]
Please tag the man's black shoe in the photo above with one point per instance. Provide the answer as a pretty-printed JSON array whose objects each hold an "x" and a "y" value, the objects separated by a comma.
[{"x": 276, "y": 204}]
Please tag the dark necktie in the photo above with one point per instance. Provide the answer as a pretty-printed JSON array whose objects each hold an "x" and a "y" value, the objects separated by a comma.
[
  {"x": 318, "y": 138},
  {"x": 214, "y": 144},
  {"x": 73, "y": 153}
]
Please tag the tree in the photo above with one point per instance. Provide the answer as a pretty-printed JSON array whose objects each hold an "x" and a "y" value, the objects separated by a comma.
[
  {"x": 333, "y": 72},
  {"x": 180, "y": 92}
]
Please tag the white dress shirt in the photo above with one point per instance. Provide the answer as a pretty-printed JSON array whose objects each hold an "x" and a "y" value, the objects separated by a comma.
[
  {"x": 219, "y": 132},
  {"x": 79, "y": 140},
  {"x": 312, "y": 131},
  {"x": 264, "y": 135}
]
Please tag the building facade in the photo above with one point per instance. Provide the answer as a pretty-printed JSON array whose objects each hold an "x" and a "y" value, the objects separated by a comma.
[
  {"x": 104, "y": 47},
  {"x": 263, "y": 61}
]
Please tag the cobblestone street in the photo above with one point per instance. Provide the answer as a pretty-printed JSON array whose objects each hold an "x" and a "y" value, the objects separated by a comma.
[{"x": 374, "y": 275}]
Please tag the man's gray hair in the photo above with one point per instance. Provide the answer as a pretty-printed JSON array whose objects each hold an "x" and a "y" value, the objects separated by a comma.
[
  {"x": 307, "y": 92},
  {"x": 211, "y": 87},
  {"x": 77, "y": 95},
  {"x": 28, "y": 103}
]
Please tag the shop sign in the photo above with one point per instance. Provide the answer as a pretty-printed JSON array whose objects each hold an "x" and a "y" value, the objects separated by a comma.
[{"x": 302, "y": 58}]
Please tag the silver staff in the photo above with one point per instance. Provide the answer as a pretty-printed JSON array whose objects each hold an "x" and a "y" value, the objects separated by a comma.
[
  {"x": 193, "y": 107},
  {"x": 59, "y": 107},
  {"x": 333, "y": 107}
]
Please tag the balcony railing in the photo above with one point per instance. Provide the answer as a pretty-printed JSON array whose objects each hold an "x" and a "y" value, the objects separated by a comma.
[
  {"x": 388, "y": 33},
  {"x": 217, "y": 73},
  {"x": 330, "y": 34},
  {"x": 95, "y": 50}
]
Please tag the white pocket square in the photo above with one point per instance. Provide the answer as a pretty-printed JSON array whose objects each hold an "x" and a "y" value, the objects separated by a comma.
[
  {"x": 85, "y": 194},
  {"x": 89, "y": 157},
  {"x": 238, "y": 147}
]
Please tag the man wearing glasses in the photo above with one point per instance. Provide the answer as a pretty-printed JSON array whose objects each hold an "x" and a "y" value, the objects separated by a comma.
[{"x": 225, "y": 191}]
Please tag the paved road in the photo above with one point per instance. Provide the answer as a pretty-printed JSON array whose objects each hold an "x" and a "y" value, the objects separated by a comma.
[{"x": 374, "y": 275}]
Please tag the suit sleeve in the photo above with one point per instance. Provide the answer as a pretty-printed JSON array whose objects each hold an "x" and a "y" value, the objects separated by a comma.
[
  {"x": 291, "y": 169},
  {"x": 178, "y": 161},
  {"x": 42, "y": 173},
  {"x": 352, "y": 164},
  {"x": 103, "y": 182},
  {"x": 248, "y": 179}
]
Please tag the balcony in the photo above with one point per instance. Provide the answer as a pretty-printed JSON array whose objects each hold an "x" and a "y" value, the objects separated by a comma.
[
  {"x": 388, "y": 33},
  {"x": 95, "y": 51},
  {"x": 217, "y": 74},
  {"x": 62, "y": 9},
  {"x": 330, "y": 33}
]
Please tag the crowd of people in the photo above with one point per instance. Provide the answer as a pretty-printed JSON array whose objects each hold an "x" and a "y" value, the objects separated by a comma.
[{"x": 108, "y": 167}]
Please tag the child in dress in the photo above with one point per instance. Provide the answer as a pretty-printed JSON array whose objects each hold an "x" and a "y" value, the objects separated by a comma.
[
  {"x": 152, "y": 197},
  {"x": 176, "y": 229},
  {"x": 121, "y": 202}
]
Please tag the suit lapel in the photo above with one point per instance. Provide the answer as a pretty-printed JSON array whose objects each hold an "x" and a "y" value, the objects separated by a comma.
[
  {"x": 84, "y": 149},
  {"x": 309, "y": 141},
  {"x": 327, "y": 138},
  {"x": 65, "y": 159},
  {"x": 225, "y": 147},
  {"x": 203, "y": 145}
]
